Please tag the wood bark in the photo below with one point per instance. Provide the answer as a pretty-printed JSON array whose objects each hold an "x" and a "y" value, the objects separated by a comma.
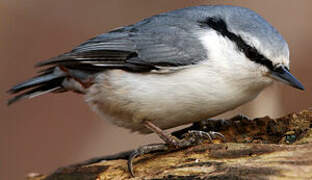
[{"x": 262, "y": 148}]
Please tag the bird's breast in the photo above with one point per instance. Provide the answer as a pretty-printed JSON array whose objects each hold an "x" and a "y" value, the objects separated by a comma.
[{"x": 168, "y": 100}]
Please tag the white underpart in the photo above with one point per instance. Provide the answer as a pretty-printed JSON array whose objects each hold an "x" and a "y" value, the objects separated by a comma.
[{"x": 221, "y": 83}]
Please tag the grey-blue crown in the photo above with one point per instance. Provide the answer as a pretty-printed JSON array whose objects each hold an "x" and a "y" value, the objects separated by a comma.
[{"x": 237, "y": 21}]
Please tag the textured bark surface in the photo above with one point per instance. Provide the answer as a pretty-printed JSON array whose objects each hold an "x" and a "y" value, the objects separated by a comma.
[{"x": 262, "y": 148}]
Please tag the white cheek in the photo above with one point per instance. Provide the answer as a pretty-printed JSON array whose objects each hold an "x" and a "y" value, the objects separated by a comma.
[
  {"x": 220, "y": 48},
  {"x": 224, "y": 55}
]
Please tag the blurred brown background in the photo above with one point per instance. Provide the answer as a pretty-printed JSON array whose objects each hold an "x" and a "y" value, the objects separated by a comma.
[{"x": 56, "y": 130}]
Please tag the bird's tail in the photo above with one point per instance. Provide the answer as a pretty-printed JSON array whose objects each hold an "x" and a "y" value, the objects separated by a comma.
[
  {"x": 69, "y": 71},
  {"x": 50, "y": 80}
]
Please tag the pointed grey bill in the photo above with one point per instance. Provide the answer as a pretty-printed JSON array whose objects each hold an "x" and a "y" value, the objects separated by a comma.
[{"x": 283, "y": 75}]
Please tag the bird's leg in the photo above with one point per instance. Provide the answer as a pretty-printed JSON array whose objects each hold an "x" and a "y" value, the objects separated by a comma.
[
  {"x": 190, "y": 138},
  {"x": 169, "y": 139}
]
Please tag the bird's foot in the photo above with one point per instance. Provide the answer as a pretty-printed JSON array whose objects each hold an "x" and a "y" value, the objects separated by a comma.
[
  {"x": 190, "y": 138},
  {"x": 194, "y": 137},
  {"x": 241, "y": 116}
]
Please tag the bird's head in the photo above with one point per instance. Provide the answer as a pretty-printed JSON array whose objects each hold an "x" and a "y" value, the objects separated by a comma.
[{"x": 254, "y": 44}]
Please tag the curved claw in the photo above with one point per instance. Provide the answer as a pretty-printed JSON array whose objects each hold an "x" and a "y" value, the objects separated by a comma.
[
  {"x": 202, "y": 134},
  {"x": 132, "y": 156},
  {"x": 144, "y": 150},
  {"x": 214, "y": 134}
]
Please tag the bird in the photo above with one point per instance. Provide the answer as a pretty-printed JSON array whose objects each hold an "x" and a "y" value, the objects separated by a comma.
[{"x": 170, "y": 69}]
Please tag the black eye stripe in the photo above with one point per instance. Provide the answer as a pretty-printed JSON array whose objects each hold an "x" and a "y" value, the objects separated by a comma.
[{"x": 250, "y": 52}]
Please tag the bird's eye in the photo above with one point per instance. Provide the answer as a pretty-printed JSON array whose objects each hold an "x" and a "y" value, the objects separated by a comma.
[
  {"x": 252, "y": 53},
  {"x": 278, "y": 69}
]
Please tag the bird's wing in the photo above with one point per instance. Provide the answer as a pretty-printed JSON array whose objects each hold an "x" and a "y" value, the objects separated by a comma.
[
  {"x": 162, "y": 43},
  {"x": 137, "y": 48}
]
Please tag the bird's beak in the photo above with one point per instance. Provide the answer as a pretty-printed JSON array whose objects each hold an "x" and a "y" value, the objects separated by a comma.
[{"x": 283, "y": 75}]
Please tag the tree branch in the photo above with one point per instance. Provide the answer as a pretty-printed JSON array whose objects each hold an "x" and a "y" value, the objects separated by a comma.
[{"x": 262, "y": 148}]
